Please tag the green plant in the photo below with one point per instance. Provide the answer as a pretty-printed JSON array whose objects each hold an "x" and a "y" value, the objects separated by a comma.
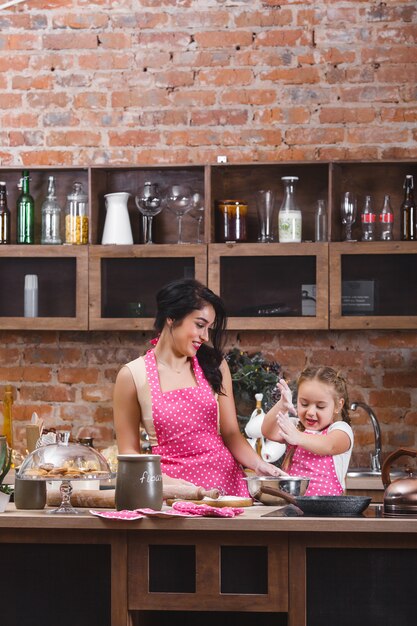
[
  {"x": 252, "y": 374},
  {"x": 5, "y": 463}
]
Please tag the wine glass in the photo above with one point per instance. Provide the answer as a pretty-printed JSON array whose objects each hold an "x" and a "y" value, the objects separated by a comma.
[
  {"x": 348, "y": 213},
  {"x": 197, "y": 212},
  {"x": 178, "y": 200},
  {"x": 149, "y": 203}
]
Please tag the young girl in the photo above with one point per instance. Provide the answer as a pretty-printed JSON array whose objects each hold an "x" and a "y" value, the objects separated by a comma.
[{"x": 319, "y": 446}]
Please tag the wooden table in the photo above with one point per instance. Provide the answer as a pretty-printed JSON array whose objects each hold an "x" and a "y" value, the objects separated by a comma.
[{"x": 277, "y": 570}]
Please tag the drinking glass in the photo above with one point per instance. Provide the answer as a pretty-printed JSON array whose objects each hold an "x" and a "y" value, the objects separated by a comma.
[
  {"x": 149, "y": 203},
  {"x": 197, "y": 212},
  {"x": 348, "y": 213},
  {"x": 265, "y": 204},
  {"x": 178, "y": 200}
]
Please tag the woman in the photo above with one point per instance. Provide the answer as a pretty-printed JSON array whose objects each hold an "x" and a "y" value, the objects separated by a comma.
[{"x": 181, "y": 392}]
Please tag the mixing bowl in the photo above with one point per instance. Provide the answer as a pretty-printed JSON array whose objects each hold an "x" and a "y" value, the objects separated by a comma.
[{"x": 294, "y": 485}]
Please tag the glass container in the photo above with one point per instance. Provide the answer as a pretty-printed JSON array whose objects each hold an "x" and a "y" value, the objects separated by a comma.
[
  {"x": 65, "y": 462},
  {"x": 232, "y": 216},
  {"x": 289, "y": 217},
  {"x": 76, "y": 216},
  {"x": 51, "y": 216}
]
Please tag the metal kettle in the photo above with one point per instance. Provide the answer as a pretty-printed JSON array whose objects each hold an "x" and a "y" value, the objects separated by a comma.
[{"x": 400, "y": 497}]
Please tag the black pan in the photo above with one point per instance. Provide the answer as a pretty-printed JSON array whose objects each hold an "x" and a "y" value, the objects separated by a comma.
[{"x": 327, "y": 506}]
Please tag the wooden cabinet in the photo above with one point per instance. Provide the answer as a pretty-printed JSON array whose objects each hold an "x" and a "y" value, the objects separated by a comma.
[
  {"x": 265, "y": 286},
  {"x": 124, "y": 281},
  {"x": 271, "y": 286},
  {"x": 373, "y": 285},
  {"x": 62, "y": 286}
]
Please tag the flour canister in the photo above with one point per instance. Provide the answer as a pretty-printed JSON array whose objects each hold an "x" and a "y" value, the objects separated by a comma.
[{"x": 139, "y": 482}]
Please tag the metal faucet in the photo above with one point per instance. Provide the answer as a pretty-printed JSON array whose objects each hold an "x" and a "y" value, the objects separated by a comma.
[{"x": 376, "y": 455}]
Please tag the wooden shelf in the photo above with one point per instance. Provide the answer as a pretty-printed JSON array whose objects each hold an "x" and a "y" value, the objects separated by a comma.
[{"x": 249, "y": 276}]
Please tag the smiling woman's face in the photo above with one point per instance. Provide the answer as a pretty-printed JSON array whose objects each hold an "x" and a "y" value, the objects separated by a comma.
[
  {"x": 317, "y": 404},
  {"x": 192, "y": 331}
]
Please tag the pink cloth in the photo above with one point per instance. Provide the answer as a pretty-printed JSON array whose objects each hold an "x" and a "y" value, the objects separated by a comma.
[
  {"x": 320, "y": 470},
  {"x": 205, "y": 510},
  {"x": 185, "y": 423}
]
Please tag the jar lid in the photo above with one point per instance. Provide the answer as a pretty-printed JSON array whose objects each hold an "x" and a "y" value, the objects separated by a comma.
[
  {"x": 237, "y": 202},
  {"x": 138, "y": 457}
]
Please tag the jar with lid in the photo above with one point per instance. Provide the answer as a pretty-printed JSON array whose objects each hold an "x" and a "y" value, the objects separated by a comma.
[
  {"x": 76, "y": 216},
  {"x": 232, "y": 216},
  {"x": 289, "y": 217}
]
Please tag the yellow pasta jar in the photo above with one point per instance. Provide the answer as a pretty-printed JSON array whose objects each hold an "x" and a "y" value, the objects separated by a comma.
[{"x": 76, "y": 216}]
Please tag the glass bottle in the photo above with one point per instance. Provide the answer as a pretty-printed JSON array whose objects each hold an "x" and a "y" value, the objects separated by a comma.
[
  {"x": 408, "y": 211},
  {"x": 7, "y": 415},
  {"x": 4, "y": 215},
  {"x": 321, "y": 221},
  {"x": 368, "y": 220},
  {"x": 289, "y": 217},
  {"x": 25, "y": 213},
  {"x": 386, "y": 220},
  {"x": 51, "y": 216},
  {"x": 76, "y": 216}
]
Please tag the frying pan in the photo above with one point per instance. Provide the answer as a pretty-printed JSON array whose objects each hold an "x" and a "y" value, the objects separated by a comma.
[{"x": 327, "y": 506}]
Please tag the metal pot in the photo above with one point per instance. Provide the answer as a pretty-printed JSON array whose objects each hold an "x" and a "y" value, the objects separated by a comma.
[
  {"x": 293, "y": 485},
  {"x": 324, "y": 506},
  {"x": 400, "y": 497}
]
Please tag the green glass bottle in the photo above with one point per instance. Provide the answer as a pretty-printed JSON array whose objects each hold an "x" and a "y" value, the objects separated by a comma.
[{"x": 25, "y": 213}]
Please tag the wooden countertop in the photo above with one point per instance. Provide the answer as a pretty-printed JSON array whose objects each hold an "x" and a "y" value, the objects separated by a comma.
[{"x": 251, "y": 520}]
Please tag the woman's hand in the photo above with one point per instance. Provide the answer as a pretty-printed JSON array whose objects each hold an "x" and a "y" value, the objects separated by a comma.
[
  {"x": 288, "y": 430},
  {"x": 267, "y": 469}
]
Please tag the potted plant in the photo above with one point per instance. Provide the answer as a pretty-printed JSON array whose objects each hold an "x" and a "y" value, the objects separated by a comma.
[
  {"x": 252, "y": 374},
  {"x": 5, "y": 463}
]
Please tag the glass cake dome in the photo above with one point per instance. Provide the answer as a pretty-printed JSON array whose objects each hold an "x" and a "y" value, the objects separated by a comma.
[{"x": 65, "y": 462}]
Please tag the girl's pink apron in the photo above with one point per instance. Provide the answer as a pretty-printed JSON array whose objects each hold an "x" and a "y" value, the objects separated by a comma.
[
  {"x": 185, "y": 423},
  {"x": 320, "y": 470}
]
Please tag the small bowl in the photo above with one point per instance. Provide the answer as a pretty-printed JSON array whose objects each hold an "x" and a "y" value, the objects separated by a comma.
[{"x": 294, "y": 485}]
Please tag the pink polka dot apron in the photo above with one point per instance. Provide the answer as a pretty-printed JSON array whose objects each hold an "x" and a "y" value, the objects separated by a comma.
[
  {"x": 320, "y": 470},
  {"x": 185, "y": 422}
]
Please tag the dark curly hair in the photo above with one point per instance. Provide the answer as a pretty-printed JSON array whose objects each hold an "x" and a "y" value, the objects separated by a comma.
[{"x": 178, "y": 299}]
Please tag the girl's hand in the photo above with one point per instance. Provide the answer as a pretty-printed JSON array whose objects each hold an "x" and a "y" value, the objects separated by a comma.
[
  {"x": 288, "y": 430},
  {"x": 285, "y": 402},
  {"x": 267, "y": 469}
]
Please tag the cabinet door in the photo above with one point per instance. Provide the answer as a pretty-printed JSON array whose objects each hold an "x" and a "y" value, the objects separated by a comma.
[
  {"x": 130, "y": 180},
  {"x": 373, "y": 285},
  {"x": 62, "y": 286},
  {"x": 271, "y": 286},
  {"x": 124, "y": 281}
]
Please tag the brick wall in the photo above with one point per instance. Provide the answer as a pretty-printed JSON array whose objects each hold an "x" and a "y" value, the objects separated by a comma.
[
  {"x": 168, "y": 81},
  {"x": 145, "y": 81}
]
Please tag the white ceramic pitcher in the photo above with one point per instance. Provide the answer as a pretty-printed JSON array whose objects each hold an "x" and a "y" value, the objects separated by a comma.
[{"x": 117, "y": 229}]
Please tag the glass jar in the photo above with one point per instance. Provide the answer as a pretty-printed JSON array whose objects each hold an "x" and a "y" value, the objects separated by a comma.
[
  {"x": 76, "y": 216},
  {"x": 289, "y": 218},
  {"x": 232, "y": 221}
]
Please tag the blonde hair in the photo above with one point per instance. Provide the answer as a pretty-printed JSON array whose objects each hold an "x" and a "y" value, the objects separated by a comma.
[{"x": 334, "y": 379}]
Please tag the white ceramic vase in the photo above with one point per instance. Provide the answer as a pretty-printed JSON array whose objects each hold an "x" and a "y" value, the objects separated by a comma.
[{"x": 117, "y": 229}]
